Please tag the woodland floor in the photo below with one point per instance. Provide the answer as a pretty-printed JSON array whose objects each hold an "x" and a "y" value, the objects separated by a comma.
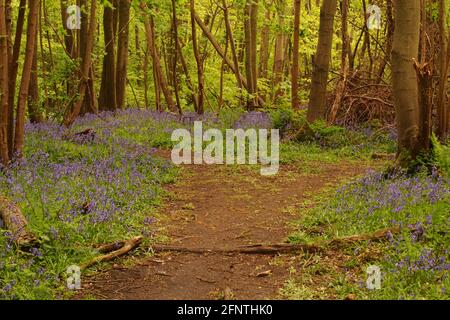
[{"x": 219, "y": 206}]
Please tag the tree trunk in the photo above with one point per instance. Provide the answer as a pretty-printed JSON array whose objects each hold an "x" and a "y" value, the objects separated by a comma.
[
  {"x": 122, "y": 52},
  {"x": 19, "y": 136},
  {"x": 200, "y": 76},
  {"x": 279, "y": 55},
  {"x": 13, "y": 68},
  {"x": 176, "y": 53},
  {"x": 86, "y": 65},
  {"x": 89, "y": 94},
  {"x": 221, "y": 52},
  {"x": 340, "y": 89},
  {"x": 107, "y": 98},
  {"x": 442, "y": 130},
  {"x": 229, "y": 31},
  {"x": 4, "y": 152},
  {"x": 34, "y": 112},
  {"x": 405, "y": 51},
  {"x": 295, "y": 58},
  {"x": 265, "y": 43},
  {"x": 161, "y": 79},
  {"x": 317, "y": 104},
  {"x": 389, "y": 39}
]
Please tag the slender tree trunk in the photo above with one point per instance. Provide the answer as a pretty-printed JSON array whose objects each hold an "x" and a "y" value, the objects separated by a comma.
[
  {"x": 295, "y": 59},
  {"x": 13, "y": 68},
  {"x": 147, "y": 105},
  {"x": 317, "y": 104},
  {"x": 187, "y": 75},
  {"x": 405, "y": 50},
  {"x": 122, "y": 52},
  {"x": 221, "y": 52},
  {"x": 159, "y": 74},
  {"x": 86, "y": 65},
  {"x": 253, "y": 52},
  {"x": 279, "y": 55},
  {"x": 265, "y": 42},
  {"x": 4, "y": 152},
  {"x": 33, "y": 18},
  {"x": 176, "y": 53},
  {"x": 340, "y": 89},
  {"x": 34, "y": 112},
  {"x": 389, "y": 39},
  {"x": 107, "y": 98},
  {"x": 200, "y": 76},
  {"x": 232, "y": 45},
  {"x": 442, "y": 130}
]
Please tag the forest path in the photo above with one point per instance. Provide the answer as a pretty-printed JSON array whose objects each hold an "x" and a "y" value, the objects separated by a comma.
[{"x": 219, "y": 206}]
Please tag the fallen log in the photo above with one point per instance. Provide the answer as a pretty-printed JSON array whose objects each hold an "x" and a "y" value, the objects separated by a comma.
[
  {"x": 127, "y": 247},
  {"x": 16, "y": 223},
  {"x": 283, "y": 248}
]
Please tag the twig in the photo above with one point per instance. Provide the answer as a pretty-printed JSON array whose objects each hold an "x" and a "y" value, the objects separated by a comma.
[{"x": 127, "y": 247}]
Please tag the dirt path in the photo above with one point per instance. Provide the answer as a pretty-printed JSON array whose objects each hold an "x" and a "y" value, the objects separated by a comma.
[{"x": 216, "y": 206}]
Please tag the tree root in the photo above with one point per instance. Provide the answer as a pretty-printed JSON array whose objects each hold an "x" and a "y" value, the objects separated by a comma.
[{"x": 124, "y": 249}]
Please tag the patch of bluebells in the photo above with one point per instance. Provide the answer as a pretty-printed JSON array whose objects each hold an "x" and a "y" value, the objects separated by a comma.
[
  {"x": 254, "y": 120},
  {"x": 418, "y": 204},
  {"x": 81, "y": 191}
]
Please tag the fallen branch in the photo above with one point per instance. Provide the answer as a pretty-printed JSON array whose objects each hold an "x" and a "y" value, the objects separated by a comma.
[
  {"x": 282, "y": 247},
  {"x": 15, "y": 222},
  {"x": 127, "y": 247},
  {"x": 254, "y": 249}
]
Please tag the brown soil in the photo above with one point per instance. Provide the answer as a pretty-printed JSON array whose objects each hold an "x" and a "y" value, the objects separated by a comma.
[{"x": 218, "y": 206}]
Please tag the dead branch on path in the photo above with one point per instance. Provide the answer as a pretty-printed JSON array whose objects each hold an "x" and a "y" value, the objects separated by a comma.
[
  {"x": 127, "y": 247},
  {"x": 16, "y": 223},
  {"x": 283, "y": 248},
  {"x": 253, "y": 249}
]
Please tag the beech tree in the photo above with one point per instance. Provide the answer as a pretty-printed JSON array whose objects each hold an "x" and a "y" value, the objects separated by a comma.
[
  {"x": 405, "y": 85},
  {"x": 317, "y": 102}
]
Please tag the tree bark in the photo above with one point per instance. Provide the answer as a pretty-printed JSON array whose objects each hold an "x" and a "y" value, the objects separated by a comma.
[
  {"x": 13, "y": 68},
  {"x": 177, "y": 53},
  {"x": 150, "y": 35},
  {"x": 221, "y": 52},
  {"x": 279, "y": 55},
  {"x": 442, "y": 130},
  {"x": 107, "y": 98},
  {"x": 15, "y": 222},
  {"x": 19, "y": 136},
  {"x": 265, "y": 42},
  {"x": 200, "y": 76},
  {"x": 34, "y": 112},
  {"x": 317, "y": 104},
  {"x": 229, "y": 31},
  {"x": 295, "y": 57},
  {"x": 86, "y": 65},
  {"x": 4, "y": 152},
  {"x": 340, "y": 89},
  {"x": 405, "y": 51},
  {"x": 122, "y": 51}
]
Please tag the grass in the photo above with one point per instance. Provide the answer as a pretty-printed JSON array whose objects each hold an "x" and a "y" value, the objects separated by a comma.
[
  {"x": 79, "y": 191},
  {"x": 414, "y": 264}
]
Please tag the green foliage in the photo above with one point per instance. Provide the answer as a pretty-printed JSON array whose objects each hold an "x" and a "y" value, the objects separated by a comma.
[
  {"x": 414, "y": 263},
  {"x": 441, "y": 155}
]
